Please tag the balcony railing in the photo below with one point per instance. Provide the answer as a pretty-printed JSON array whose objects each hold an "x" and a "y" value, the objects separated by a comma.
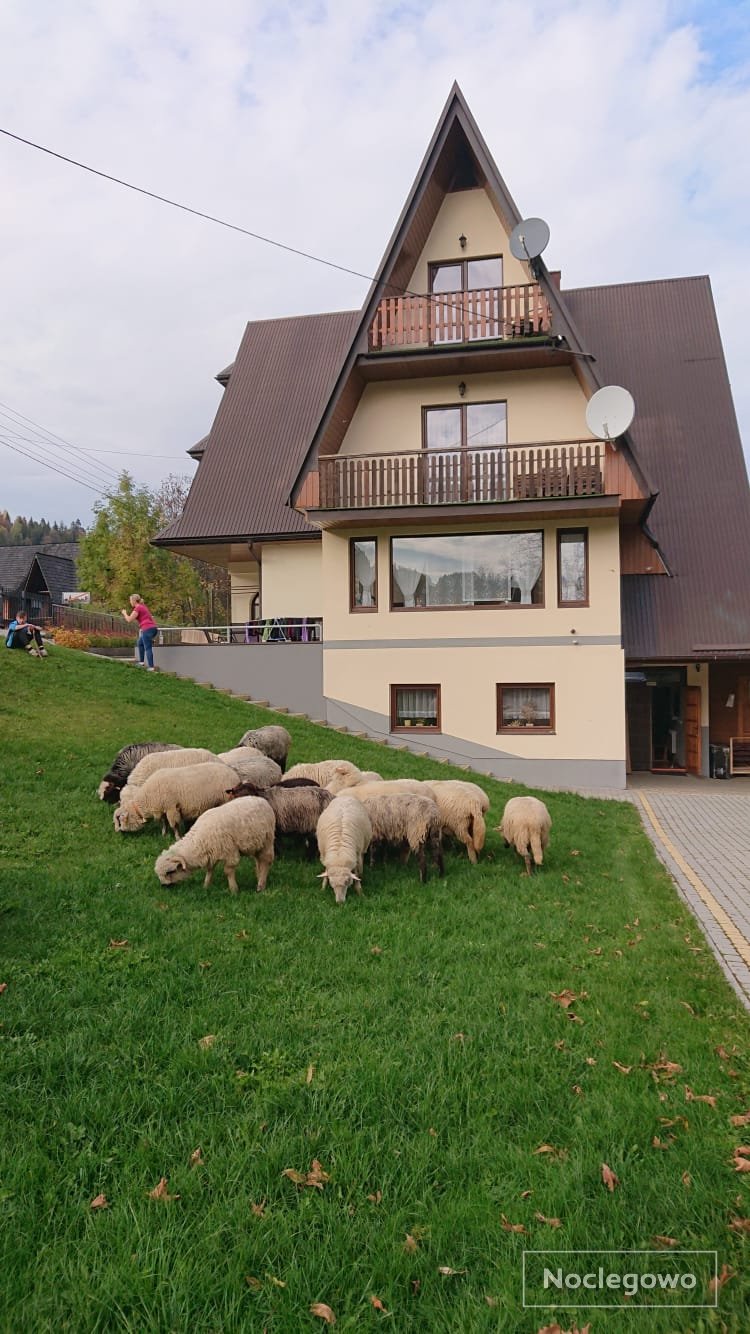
[
  {"x": 502, "y": 313},
  {"x": 462, "y": 476},
  {"x": 271, "y": 630}
]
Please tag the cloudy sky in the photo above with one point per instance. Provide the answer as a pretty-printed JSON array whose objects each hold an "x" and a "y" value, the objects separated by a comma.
[{"x": 625, "y": 125}]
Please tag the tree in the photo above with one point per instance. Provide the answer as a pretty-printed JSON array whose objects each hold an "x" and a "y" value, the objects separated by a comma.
[{"x": 171, "y": 498}]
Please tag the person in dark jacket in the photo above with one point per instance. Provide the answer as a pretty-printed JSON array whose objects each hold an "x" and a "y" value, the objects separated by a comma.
[{"x": 24, "y": 634}]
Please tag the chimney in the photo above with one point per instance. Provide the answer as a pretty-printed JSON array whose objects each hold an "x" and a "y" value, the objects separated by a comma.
[{"x": 555, "y": 277}]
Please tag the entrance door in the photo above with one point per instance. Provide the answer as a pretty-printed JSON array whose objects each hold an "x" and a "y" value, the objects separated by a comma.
[{"x": 693, "y": 729}]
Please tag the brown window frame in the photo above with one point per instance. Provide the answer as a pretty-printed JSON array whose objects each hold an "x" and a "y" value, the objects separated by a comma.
[
  {"x": 525, "y": 685},
  {"x": 465, "y": 606},
  {"x": 570, "y": 532},
  {"x": 464, "y": 261},
  {"x": 416, "y": 727},
  {"x": 352, "y": 605},
  {"x": 463, "y": 407}
]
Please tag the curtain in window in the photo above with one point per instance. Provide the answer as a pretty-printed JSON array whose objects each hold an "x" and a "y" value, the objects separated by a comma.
[
  {"x": 416, "y": 704},
  {"x": 526, "y": 704},
  {"x": 408, "y": 577},
  {"x": 526, "y": 563},
  {"x": 364, "y": 574}
]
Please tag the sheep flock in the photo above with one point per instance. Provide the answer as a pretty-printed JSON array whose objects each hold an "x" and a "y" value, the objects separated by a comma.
[{"x": 225, "y": 805}]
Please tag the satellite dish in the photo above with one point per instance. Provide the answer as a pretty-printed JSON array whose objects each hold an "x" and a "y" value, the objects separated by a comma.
[
  {"x": 529, "y": 238},
  {"x": 609, "y": 412}
]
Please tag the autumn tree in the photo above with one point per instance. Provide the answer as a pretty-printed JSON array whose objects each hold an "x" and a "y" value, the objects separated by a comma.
[{"x": 214, "y": 580}]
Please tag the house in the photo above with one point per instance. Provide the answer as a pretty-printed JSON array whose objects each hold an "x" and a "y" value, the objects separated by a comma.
[
  {"x": 498, "y": 585},
  {"x": 34, "y": 578}
]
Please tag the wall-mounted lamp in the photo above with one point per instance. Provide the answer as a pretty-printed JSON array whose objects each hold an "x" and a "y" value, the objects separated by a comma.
[
  {"x": 462, "y": 241},
  {"x": 462, "y": 388},
  {"x": 730, "y": 701}
]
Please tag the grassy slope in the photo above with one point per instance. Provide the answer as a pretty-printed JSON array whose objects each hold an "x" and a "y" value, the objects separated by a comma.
[{"x": 105, "y": 1088}]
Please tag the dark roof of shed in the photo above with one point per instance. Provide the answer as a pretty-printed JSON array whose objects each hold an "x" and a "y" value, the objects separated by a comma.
[
  {"x": 661, "y": 340},
  {"x": 16, "y": 563},
  {"x": 59, "y": 574},
  {"x": 280, "y": 382}
]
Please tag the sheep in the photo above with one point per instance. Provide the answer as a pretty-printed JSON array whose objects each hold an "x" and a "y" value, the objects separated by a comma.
[
  {"x": 344, "y": 832},
  {"x": 242, "y": 828},
  {"x": 526, "y": 824},
  {"x": 174, "y": 795},
  {"x": 273, "y": 741},
  {"x": 297, "y": 809},
  {"x": 346, "y": 776},
  {"x": 406, "y": 818},
  {"x": 172, "y": 759},
  {"x": 462, "y": 807},
  {"x": 252, "y": 764},
  {"x": 123, "y": 764},
  {"x": 324, "y": 771}
]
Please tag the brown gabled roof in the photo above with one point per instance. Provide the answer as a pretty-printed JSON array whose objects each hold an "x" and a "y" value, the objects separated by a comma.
[
  {"x": 661, "y": 340},
  {"x": 279, "y": 385}
]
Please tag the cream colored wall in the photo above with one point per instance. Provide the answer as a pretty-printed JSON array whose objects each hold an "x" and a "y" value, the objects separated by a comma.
[
  {"x": 468, "y": 213},
  {"x": 292, "y": 584},
  {"x": 244, "y": 579},
  {"x": 601, "y": 617},
  {"x": 543, "y": 405},
  {"x": 697, "y": 675}
]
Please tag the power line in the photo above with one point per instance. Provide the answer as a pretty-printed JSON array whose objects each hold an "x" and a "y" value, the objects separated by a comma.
[
  {"x": 43, "y": 454},
  {"x": 45, "y": 464},
  {"x": 56, "y": 441}
]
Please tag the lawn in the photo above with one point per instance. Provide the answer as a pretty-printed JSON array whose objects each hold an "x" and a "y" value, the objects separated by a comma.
[{"x": 409, "y": 1043}]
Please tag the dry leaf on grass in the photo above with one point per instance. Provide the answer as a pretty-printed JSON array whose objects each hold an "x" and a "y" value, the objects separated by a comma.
[
  {"x": 742, "y": 1119},
  {"x": 196, "y": 1157},
  {"x": 316, "y": 1177},
  {"x": 624, "y": 1069},
  {"x": 376, "y": 1198},
  {"x": 659, "y": 1240},
  {"x": 577, "y": 1089},
  {"x": 447, "y": 1272},
  {"x": 699, "y": 1097},
  {"x": 3, "y": 987},
  {"x": 310, "y": 1074},
  {"x": 686, "y": 1180},
  {"x": 723, "y": 1054},
  {"x": 526, "y": 1193},
  {"x": 376, "y": 950},
  {"x": 558, "y": 1329},
  {"x": 259, "y": 1210},
  {"x": 160, "y": 1192},
  {"x": 410, "y": 1244},
  {"x": 609, "y": 1178},
  {"x": 118, "y": 944},
  {"x": 687, "y": 1007},
  {"x": 511, "y": 1227},
  {"x": 243, "y": 934},
  {"x": 665, "y": 1067},
  {"x": 415, "y": 1286},
  {"x": 551, "y": 1222},
  {"x": 740, "y": 1225},
  {"x": 567, "y": 997},
  {"x": 657, "y": 1143},
  {"x": 377, "y": 1305},
  {"x": 591, "y": 1060},
  {"x": 277, "y": 1282},
  {"x": 459, "y": 1037},
  {"x": 561, "y": 1044},
  {"x": 323, "y": 1312},
  {"x": 99, "y": 1202},
  {"x": 254, "y": 1283},
  {"x": 550, "y": 1149},
  {"x": 207, "y": 1041},
  {"x": 717, "y": 1283},
  {"x": 740, "y": 1162}
]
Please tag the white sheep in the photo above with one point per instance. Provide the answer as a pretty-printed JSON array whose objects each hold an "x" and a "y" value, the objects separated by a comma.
[
  {"x": 273, "y": 741},
  {"x": 462, "y": 807},
  {"x": 173, "y": 795},
  {"x": 347, "y": 776},
  {"x": 252, "y": 765},
  {"x": 406, "y": 818},
  {"x": 123, "y": 765},
  {"x": 526, "y": 824},
  {"x": 344, "y": 832},
  {"x": 168, "y": 759},
  {"x": 244, "y": 827},
  {"x": 324, "y": 771}
]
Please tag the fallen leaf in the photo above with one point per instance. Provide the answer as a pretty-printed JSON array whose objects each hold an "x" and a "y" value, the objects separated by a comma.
[
  {"x": 573, "y": 1017},
  {"x": 118, "y": 944},
  {"x": 253, "y": 1283},
  {"x": 511, "y": 1227},
  {"x": 277, "y": 1282},
  {"x": 561, "y": 1044},
  {"x": 675, "y": 1121},
  {"x": 315, "y": 1177},
  {"x": 577, "y": 1089},
  {"x": 574, "y": 852},
  {"x": 722, "y": 1053},
  {"x": 743, "y": 1149},
  {"x": 699, "y": 1097},
  {"x": 160, "y": 1192},
  {"x": 450, "y": 1273},
  {"x": 624, "y": 1069},
  {"x": 3, "y": 987},
  {"x": 743, "y": 1119},
  {"x": 310, "y": 1073},
  {"x": 551, "y": 1222},
  {"x": 432, "y": 1131},
  {"x": 717, "y": 1283},
  {"x": 377, "y": 1305},
  {"x": 558, "y": 1329},
  {"x": 740, "y": 1225},
  {"x": 99, "y": 1202},
  {"x": 459, "y": 1037},
  {"x": 376, "y": 950},
  {"x": 597, "y": 951},
  {"x": 205, "y": 963},
  {"x": 491, "y": 1301},
  {"x": 567, "y": 997},
  {"x": 550, "y": 1148},
  {"x": 741, "y": 1164},
  {"x": 656, "y": 1143},
  {"x": 258, "y": 1210},
  {"x": 243, "y": 934},
  {"x": 591, "y": 1060},
  {"x": 526, "y": 1193},
  {"x": 196, "y": 1157},
  {"x": 687, "y": 1007},
  {"x": 415, "y": 1286},
  {"x": 665, "y": 1241},
  {"x": 686, "y": 1180},
  {"x": 207, "y": 1041},
  {"x": 609, "y": 1178},
  {"x": 411, "y": 1244},
  {"x": 665, "y": 1067},
  {"x": 376, "y": 1198},
  {"x": 323, "y": 1312}
]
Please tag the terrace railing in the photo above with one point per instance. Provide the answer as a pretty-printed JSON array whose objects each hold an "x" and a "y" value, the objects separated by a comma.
[
  {"x": 271, "y": 630},
  {"x": 462, "y": 476},
  {"x": 501, "y": 313}
]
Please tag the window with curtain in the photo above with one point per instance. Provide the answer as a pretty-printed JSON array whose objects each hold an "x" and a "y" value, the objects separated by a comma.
[
  {"x": 363, "y": 574},
  {"x": 572, "y": 567},
  {"x": 468, "y": 570},
  {"x": 525, "y": 708},
  {"x": 415, "y": 707}
]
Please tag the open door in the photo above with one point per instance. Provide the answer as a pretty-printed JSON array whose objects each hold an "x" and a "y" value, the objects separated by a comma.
[{"x": 693, "y": 729}]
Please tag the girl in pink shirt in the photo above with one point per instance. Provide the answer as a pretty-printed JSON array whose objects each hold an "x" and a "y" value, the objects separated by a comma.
[{"x": 147, "y": 627}]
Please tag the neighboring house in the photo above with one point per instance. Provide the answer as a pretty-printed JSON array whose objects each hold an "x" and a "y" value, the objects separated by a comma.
[
  {"x": 496, "y": 585},
  {"x": 34, "y": 578}
]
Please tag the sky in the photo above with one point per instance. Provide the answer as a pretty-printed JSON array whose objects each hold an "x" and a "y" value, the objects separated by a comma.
[{"x": 624, "y": 125}]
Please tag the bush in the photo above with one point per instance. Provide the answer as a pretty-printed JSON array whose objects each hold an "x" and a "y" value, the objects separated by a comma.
[
  {"x": 72, "y": 639},
  {"x": 111, "y": 641}
]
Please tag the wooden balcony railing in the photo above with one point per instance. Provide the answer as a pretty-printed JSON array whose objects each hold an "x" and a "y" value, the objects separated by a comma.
[
  {"x": 462, "y": 476},
  {"x": 460, "y": 317}
]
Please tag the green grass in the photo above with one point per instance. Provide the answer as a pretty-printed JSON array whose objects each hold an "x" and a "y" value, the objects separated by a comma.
[{"x": 440, "y": 1060}]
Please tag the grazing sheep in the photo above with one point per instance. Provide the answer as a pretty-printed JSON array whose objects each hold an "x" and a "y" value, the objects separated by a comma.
[
  {"x": 526, "y": 824},
  {"x": 324, "y": 771},
  {"x": 273, "y": 741},
  {"x": 462, "y": 809},
  {"x": 171, "y": 759},
  {"x": 252, "y": 765},
  {"x": 370, "y": 776},
  {"x": 388, "y": 787},
  {"x": 347, "y": 776},
  {"x": 344, "y": 832},
  {"x": 174, "y": 795},
  {"x": 123, "y": 765},
  {"x": 297, "y": 809},
  {"x": 406, "y": 818},
  {"x": 241, "y": 828}
]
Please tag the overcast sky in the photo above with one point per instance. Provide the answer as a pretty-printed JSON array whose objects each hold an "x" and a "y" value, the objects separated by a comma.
[{"x": 625, "y": 125}]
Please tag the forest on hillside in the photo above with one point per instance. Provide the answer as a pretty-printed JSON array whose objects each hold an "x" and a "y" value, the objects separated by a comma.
[{"x": 23, "y": 532}]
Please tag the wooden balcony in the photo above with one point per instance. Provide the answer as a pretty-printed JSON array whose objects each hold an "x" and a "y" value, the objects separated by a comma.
[
  {"x": 495, "y": 475},
  {"x": 502, "y": 314}
]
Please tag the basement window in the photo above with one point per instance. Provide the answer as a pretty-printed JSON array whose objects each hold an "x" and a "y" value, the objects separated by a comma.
[
  {"x": 526, "y": 708},
  {"x": 415, "y": 708}
]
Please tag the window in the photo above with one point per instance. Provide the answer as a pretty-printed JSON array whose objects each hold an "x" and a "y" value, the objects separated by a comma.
[
  {"x": 468, "y": 570},
  {"x": 363, "y": 574},
  {"x": 415, "y": 707},
  {"x": 475, "y": 314},
  {"x": 525, "y": 708},
  {"x": 468, "y": 426},
  {"x": 573, "y": 567}
]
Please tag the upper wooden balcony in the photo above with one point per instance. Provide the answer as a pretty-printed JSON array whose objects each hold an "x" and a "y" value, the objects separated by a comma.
[{"x": 501, "y": 314}]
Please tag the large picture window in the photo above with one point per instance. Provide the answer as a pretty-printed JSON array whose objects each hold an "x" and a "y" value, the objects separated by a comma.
[
  {"x": 522, "y": 708},
  {"x": 468, "y": 570},
  {"x": 415, "y": 707},
  {"x": 573, "y": 567},
  {"x": 363, "y": 574}
]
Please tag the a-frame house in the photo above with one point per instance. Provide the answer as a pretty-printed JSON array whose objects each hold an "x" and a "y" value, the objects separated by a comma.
[{"x": 420, "y": 478}]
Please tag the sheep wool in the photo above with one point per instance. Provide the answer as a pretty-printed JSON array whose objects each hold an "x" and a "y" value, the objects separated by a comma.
[
  {"x": 324, "y": 771},
  {"x": 171, "y": 759},
  {"x": 252, "y": 765},
  {"x": 526, "y": 824},
  {"x": 406, "y": 818},
  {"x": 123, "y": 765},
  {"x": 242, "y": 828},
  {"x": 174, "y": 795},
  {"x": 344, "y": 833},
  {"x": 273, "y": 741},
  {"x": 462, "y": 807}
]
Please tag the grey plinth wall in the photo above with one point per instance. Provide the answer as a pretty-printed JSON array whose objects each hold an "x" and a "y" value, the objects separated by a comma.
[{"x": 287, "y": 675}]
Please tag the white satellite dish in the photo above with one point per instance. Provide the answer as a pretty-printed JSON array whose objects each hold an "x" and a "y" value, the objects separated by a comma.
[
  {"x": 529, "y": 238},
  {"x": 609, "y": 412}
]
